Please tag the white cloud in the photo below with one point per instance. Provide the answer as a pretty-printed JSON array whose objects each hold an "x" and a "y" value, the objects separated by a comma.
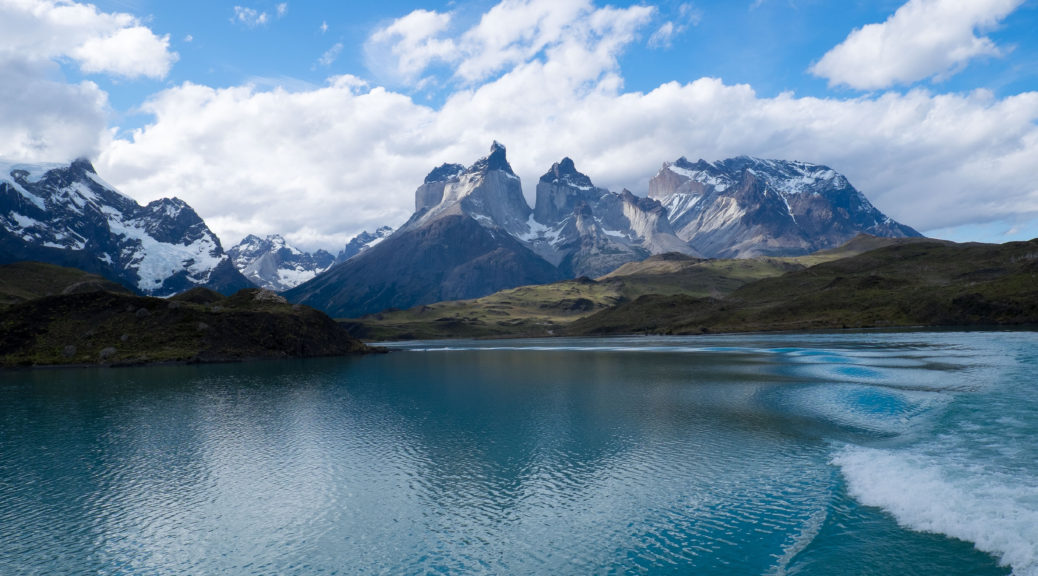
[
  {"x": 348, "y": 157},
  {"x": 127, "y": 52},
  {"x": 509, "y": 34},
  {"x": 401, "y": 51},
  {"x": 330, "y": 55},
  {"x": 250, "y": 16},
  {"x": 108, "y": 43},
  {"x": 45, "y": 119},
  {"x": 324, "y": 26},
  {"x": 663, "y": 36},
  {"x": 923, "y": 39},
  {"x": 688, "y": 15},
  {"x": 254, "y": 18},
  {"x": 42, "y": 116}
]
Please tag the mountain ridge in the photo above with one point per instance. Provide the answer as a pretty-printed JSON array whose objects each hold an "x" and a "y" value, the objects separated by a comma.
[{"x": 67, "y": 215}]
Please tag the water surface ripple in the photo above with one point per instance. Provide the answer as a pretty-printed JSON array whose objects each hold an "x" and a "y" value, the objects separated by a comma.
[{"x": 879, "y": 453}]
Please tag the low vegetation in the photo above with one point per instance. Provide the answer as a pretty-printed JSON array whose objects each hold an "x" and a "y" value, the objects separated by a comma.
[
  {"x": 115, "y": 327},
  {"x": 908, "y": 283},
  {"x": 869, "y": 282},
  {"x": 547, "y": 309}
]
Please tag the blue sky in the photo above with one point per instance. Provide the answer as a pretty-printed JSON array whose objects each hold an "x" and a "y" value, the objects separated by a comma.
[{"x": 318, "y": 119}]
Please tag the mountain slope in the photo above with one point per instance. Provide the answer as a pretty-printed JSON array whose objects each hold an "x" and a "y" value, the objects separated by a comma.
[
  {"x": 744, "y": 207},
  {"x": 449, "y": 258},
  {"x": 67, "y": 215}
]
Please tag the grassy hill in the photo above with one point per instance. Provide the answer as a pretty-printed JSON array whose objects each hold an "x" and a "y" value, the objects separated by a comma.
[
  {"x": 23, "y": 281},
  {"x": 58, "y": 315},
  {"x": 915, "y": 283},
  {"x": 547, "y": 309}
]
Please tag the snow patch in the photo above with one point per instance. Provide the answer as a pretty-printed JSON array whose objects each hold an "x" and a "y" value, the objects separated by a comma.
[
  {"x": 25, "y": 222},
  {"x": 678, "y": 204}
]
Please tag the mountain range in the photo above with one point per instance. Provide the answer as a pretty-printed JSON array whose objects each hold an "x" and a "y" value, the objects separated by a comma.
[
  {"x": 67, "y": 215},
  {"x": 472, "y": 232},
  {"x": 274, "y": 264}
]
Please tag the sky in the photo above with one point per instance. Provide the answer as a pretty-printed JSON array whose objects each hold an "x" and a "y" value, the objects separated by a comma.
[{"x": 317, "y": 120}]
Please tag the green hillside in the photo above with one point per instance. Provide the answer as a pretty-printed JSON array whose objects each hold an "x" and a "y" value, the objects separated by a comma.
[{"x": 916, "y": 283}]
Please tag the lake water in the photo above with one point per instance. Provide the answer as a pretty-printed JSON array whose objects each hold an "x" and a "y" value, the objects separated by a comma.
[{"x": 877, "y": 453}]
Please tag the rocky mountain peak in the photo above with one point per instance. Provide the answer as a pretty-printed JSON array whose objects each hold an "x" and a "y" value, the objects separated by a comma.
[
  {"x": 565, "y": 172},
  {"x": 444, "y": 173},
  {"x": 487, "y": 191},
  {"x": 496, "y": 160},
  {"x": 747, "y": 206},
  {"x": 274, "y": 264},
  {"x": 362, "y": 242},
  {"x": 560, "y": 190}
]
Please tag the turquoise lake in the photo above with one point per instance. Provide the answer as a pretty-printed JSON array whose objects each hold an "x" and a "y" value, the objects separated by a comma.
[{"x": 869, "y": 453}]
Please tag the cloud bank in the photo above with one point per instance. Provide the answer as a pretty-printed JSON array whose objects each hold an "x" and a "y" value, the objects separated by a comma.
[{"x": 923, "y": 39}]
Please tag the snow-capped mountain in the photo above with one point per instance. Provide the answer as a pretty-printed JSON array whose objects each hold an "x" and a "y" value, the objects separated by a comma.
[
  {"x": 273, "y": 264},
  {"x": 67, "y": 215},
  {"x": 362, "y": 242},
  {"x": 744, "y": 207},
  {"x": 590, "y": 231}
]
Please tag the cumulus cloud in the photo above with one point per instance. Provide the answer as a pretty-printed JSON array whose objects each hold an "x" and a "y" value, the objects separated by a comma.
[
  {"x": 403, "y": 50},
  {"x": 42, "y": 116},
  {"x": 922, "y": 39},
  {"x": 509, "y": 34},
  {"x": 320, "y": 165},
  {"x": 109, "y": 43}
]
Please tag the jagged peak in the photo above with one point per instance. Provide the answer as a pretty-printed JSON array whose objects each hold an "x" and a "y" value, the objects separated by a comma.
[
  {"x": 444, "y": 173},
  {"x": 497, "y": 160},
  {"x": 565, "y": 172},
  {"x": 171, "y": 207}
]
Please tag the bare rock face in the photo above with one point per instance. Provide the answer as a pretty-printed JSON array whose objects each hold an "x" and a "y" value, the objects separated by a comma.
[
  {"x": 488, "y": 191},
  {"x": 589, "y": 231},
  {"x": 744, "y": 207},
  {"x": 430, "y": 193}
]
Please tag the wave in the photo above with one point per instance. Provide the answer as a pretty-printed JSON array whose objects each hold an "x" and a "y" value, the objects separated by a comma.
[{"x": 995, "y": 510}]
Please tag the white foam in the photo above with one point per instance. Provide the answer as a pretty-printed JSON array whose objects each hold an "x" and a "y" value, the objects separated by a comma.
[{"x": 933, "y": 492}]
